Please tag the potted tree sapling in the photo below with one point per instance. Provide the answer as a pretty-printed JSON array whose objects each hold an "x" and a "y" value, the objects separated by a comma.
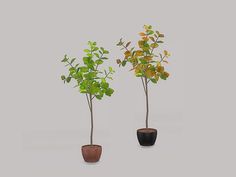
[
  {"x": 148, "y": 65},
  {"x": 91, "y": 81}
]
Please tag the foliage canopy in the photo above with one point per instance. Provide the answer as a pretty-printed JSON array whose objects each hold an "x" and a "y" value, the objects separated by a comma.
[
  {"x": 89, "y": 78},
  {"x": 145, "y": 62}
]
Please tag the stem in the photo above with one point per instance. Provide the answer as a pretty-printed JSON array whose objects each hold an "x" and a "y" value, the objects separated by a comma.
[
  {"x": 91, "y": 112},
  {"x": 154, "y": 42},
  {"x": 125, "y": 47},
  {"x": 88, "y": 101},
  {"x": 147, "y": 106},
  {"x": 143, "y": 85}
]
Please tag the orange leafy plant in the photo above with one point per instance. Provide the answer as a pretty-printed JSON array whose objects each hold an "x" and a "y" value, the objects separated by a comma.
[{"x": 146, "y": 63}]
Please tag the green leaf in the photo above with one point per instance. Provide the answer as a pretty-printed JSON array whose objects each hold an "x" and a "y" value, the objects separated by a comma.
[
  {"x": 104, "y": 58},
  {"x": 123, "y": 63},
  {"x": 65, "y": 58},
  {"x": 102, "y": 49},
  {"x": 73, "y": 59},
  {"x": 95, "y": 48},
  {"x": 87, "y": 51},
  {"x": 63, "y": 77},
  {"x": 72, "y": 70},
  {"x": 163, "y": 76},
  {"x": 109, "y": 91},
  {"x": 104, "y": 85},
  {"x": 160, "y": 42},
  {"x": 154, "y": 81},
  {"x": 88, "y": 61},
  {"x": 90, "y": 75},
  {"x": 99, "y": 96},
  {"x": 143, "y": 61},
  {"x": 120, "y": 43},
  {"x": 110, "y": 69},
  {"x": 149, "y": 32},
  {"x": 83, "y": 69},
  {"x": 99, "y": 62},
  {"x": 96, "y": 54},
  {"x": 68, "y": 79}
]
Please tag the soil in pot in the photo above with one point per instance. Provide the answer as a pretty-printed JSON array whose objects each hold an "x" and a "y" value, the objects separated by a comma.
[
  {"x": 147, "y": 136},
  {"x": 91, "y": 153}
]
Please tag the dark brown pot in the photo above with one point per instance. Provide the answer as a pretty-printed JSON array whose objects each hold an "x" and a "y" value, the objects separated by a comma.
[
  {"x": 91, "y": 153},
  {"x": 147, "y": 136}
]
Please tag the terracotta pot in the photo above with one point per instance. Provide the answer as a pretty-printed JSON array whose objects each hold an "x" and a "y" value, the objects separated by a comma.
[
  {"x": 91, "y": 153},
  {"x": 147, "y": 136}
]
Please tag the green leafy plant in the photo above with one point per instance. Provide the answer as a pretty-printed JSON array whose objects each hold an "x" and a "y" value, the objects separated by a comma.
[
  {"x": 146, "y": 63},
  {"x": 89, "y": 78}
]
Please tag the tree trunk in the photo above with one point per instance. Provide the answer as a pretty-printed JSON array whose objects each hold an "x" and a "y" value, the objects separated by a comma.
[
  {"x": 147, "y": 106},
  {"x": 91, "y": 112}
]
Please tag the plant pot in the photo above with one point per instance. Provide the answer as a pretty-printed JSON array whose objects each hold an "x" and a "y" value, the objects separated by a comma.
[
  {"x": 91, "y": 153},
  {"x": 147, "y": 136}
]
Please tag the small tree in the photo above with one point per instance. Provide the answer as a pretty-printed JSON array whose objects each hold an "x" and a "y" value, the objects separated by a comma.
[
  {"x": 89, "y": 78},
  {"x": 146, "y": 64}
]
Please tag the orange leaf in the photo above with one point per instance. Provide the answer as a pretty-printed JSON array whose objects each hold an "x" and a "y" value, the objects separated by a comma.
[
  {"x": 145, "y": 38},
  {"x": 142, "y": 34}
]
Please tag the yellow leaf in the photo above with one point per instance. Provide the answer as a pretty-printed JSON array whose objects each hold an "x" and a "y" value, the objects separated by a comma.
[
  {"x": 138, "y": 53},
  {"x": 148, "y": 73},
  {"x": 160, "y": 69},
  {"x": 127, "y": 54},
  {"x": 166, "y": 53},
  {"x": 154, "y": 45},
  {"x": 166, "y": 74},
  {"x": 156, "y": 77},
  {"x": 148, "y": 58},
  {"x": 137, "y": 70},
  {"x": 140, "y": 43}
]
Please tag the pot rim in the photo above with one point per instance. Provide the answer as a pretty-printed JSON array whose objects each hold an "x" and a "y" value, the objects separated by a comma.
[
  {"x": 91, "y": 145},
  {"x": 142, "y": 130}
]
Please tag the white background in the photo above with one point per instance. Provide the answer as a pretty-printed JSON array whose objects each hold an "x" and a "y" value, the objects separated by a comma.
[{"x": 44, "y": 122}]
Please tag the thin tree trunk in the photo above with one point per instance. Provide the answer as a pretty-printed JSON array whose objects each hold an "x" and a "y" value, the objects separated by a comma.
[
  {"x": 91, "y": 112},
  {"x": 147, "y": 106}
]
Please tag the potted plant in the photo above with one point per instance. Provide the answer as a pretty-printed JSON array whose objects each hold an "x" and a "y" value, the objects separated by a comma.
[
  {"x": 92, "y": 82},
  {"x": 148, "y": 65}
]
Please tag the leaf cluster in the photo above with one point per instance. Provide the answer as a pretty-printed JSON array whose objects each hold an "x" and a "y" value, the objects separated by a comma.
[
  {"x": 89, "y": 78},
  {"x": 145, "y": 62}
]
